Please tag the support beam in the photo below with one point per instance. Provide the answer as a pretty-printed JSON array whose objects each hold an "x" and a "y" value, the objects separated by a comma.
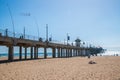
[
  {"x": 81, "y": 52},
  {"x": 25, "y": 53},
  {"x": 61, "y": 53},
  {"x": 35, "y": 52},
  {"x": 70, "y": 52},
  {"x": 58, "y": 52},
  {"x": 84, "y": 52},
  {"x": 45, "y": 53},
  {"x": 66, "y": 53},
  {"x": 53, "y": 52},
  {"x": 76, "y": 52},
  {"x": 31, "y": 52},
  {"x": 73, "y": 52},
  {"x": 10, "y": 53},
  {"x": 20, "y": 52}
]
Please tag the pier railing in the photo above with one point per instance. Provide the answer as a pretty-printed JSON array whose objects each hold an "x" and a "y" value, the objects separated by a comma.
[{"x": 7, "y": 33}]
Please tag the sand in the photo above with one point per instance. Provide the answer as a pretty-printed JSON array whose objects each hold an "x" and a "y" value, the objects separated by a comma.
[{"x": 76, "y": 68}]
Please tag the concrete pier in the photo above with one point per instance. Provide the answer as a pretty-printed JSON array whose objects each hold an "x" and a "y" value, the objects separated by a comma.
[{"x": 58, "y": 50}]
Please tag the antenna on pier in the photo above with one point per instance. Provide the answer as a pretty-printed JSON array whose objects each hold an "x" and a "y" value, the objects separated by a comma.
[{"x": 11, "y": 20}]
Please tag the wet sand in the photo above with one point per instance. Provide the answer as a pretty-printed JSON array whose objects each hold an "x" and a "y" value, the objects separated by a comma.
[{"x": 76, "y": 68}]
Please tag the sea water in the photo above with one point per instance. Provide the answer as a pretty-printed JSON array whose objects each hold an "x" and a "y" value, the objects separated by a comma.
[
  {"x": 23, "y": 54},
  {"x": 49, "y": 54}
]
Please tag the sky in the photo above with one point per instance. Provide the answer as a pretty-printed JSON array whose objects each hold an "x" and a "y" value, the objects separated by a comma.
[{"x": 94, "y": 21}]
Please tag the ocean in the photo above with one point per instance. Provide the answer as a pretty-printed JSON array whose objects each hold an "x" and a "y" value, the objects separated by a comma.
[
  {"x": 28, "y": 54},
  {"x": 49, "y": 54}
]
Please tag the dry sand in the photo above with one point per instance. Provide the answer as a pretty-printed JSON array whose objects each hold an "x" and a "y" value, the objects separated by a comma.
[{"x": 76, "y": 68}]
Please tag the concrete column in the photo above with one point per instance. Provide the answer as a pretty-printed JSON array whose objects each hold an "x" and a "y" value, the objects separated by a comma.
[
  {"x": 84, "y": 52},
  {"x": 76, "y": 52},
  {"x": 89, "y": 52},
  {"x": 58, "y": 52},
  {"x": 20, "y": 52},
  {"x": 73, "y": 52},
  {"x": 66, "y": 53},
  {"x": 61, "y": 53},
  {"x": 10, "y": 53},
  {"x": 45, "y": 52},
  {"x": 35, "y": 52},
  {"x": 70, "y": 52},
  {"x": 53, "y": 52},
  {"x": 81, "y": 52},
  {"x": 25, "y": 53},
  {"x": 31, "y": 52}
]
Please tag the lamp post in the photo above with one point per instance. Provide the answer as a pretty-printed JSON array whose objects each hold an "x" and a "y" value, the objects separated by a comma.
[
  {"x": 68, "y": 38},
  {"x": 24, "y": 33},
  {"x": 46, "y": 32}
]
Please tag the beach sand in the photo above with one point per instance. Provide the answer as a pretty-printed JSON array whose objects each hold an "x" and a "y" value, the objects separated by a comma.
[{"x": 75, "y": 68}]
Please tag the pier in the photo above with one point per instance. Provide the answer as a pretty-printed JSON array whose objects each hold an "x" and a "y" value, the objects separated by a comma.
[{"x": 59, "y": 50}]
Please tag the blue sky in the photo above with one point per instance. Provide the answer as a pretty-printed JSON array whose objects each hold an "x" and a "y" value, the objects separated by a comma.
[{"x": 93, "y": 21}]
